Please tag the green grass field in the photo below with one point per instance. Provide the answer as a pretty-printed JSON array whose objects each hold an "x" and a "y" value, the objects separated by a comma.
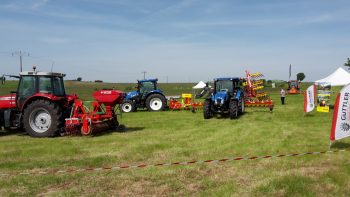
[{"x": 172, "y": 136}]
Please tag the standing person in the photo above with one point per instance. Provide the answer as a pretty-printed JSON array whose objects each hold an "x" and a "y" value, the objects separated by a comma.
[{"x": 283, "y": 95}]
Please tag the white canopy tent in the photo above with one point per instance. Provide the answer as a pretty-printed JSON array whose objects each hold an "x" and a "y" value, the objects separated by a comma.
[
  {"x": 200, "y": 85},
  {"x": 340, "y": 77}
]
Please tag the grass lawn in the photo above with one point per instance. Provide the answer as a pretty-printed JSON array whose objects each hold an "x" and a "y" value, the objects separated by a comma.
[{"x": 173, "y": 136}]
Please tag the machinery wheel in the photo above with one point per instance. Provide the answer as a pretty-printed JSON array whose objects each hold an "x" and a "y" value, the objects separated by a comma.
[
  {"x": 42, "y": 119},
  {"x": 155, "y": 102},
  {"x": 128, "y": 106},
  {"x": 207, "y": 109},
  {"x": 242, "y": 107},
  {"x": 233, "y": 109}
]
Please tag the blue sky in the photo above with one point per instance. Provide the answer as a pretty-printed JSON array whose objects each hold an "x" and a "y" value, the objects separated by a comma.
[{"x": 184, "y": 40}]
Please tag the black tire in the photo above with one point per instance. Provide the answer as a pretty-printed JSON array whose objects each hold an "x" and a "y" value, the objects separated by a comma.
[
  {"x": 233, "y": 109},
  {"x": 207, "y": 109},
  {"x": 128, "y": 106},
  {"x": 241, "y": 107},
  {"x": 50, "y": 123},
  {"x": 155, "y": 102},
  {"x": 2, "y": 121}
]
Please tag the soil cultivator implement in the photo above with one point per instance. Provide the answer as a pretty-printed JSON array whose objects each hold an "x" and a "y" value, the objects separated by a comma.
[
  {"x": 102, "y": 117},
  {"x": 253, "y": 95},
  {"x": 187, "y": 103}
]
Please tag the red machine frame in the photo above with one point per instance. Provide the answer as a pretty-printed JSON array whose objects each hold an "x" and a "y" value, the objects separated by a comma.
[{"x": 253, "y": 98}]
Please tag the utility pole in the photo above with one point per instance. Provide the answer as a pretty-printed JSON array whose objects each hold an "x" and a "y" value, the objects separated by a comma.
[
  {"x": 144, "y": 74},
  {"x": 20, "y": 54}
]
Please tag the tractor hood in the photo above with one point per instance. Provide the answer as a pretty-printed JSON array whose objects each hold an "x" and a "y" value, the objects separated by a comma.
[
  {"x": 219, "y": 98},
  {"x": 8, "y": 101},
  {"x": 130, "y": 95}
]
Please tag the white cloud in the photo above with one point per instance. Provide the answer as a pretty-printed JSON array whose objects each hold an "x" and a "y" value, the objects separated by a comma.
[{"x": 38, "y": 3}]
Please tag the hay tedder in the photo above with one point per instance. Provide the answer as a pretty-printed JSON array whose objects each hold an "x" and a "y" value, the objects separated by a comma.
[
  {"x": 40, "y": 106},
  {"x": 254, "y": 97}
]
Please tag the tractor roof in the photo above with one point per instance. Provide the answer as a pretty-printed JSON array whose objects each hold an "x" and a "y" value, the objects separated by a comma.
[
  {"x": 228, "y": 79},
  {"x": 147, "y": 80},
  {"x": 33, "y": 73}
]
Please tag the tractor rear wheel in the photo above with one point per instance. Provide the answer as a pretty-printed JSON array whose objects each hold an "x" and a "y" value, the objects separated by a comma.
[
  {"x": 155, "y": 102},
  {"x": 128, "y": 106},
  {"x": 42, "y": 118},
  {"x": 2, "y": 122},
  {"x": 207, "y": 109},
  {"x": 233, "y": 109}
]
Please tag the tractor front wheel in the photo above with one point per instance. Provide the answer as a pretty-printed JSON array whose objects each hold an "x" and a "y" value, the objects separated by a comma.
[
  {"x": 242, "y": 107},
  {"x": 128, "y": 106},
  {"x": 233, "y": 109},
  {"x": 42, "y": 118},
  {"x": 207, "y": 109},
  {"x": 155, "y": 102}
]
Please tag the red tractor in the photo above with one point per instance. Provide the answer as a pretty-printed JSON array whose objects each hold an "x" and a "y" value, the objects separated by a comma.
[
  {"x": 293, "y": 87},
  {"x": 41, "y": 106}
]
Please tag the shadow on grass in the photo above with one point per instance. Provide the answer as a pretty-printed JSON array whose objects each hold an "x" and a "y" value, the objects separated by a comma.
[
  {"x": 126, "y": 130},
  {"x": 12, "y": 132},
  {"x": 340, "y": 145},
  {"x": 133, "y": 129}
]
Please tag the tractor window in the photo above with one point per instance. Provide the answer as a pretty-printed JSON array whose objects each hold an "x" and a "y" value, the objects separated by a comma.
[
  {"x": 225, "y": 85},
  {"x": 27, "y": 86},
  {"x": 293, "y": 83},
  {"x": 58, "y": 86},
  {"x": 45, "y": 85},
  {"x": 146, "y": 87}
]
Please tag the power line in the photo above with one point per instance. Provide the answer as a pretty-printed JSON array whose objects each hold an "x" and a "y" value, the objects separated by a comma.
[{"x": 20, "y": 54}]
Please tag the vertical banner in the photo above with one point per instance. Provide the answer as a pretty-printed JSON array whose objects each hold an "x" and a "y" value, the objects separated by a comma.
[
  {"x": 290, "y": 71},
  {"x": 309, "y": 99},
  {"x": 341, "y": 116}
]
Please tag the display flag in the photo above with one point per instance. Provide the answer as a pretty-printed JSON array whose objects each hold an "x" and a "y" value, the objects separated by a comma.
[
  {"x": 290, "y": 71},
  {"x": 309, "y": 99},
  {"x": 341, "y": 116}
]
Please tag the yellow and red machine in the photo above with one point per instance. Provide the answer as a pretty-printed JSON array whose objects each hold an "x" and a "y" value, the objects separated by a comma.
[
  {"x": 253, "y": 95},
  {"x": 187, "y": 103},
  {"x": 294, "y": 87},
  {"x": 102, "y": 117}
]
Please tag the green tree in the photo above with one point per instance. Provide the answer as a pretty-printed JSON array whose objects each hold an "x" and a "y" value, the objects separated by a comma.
[
  {"x": 347, "y": 63},
  {"x": 79, "y": 79},
  {"x": 300, "y": 76}
]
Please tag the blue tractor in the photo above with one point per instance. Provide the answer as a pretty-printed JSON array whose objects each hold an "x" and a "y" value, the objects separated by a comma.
[
  {"x": 147, "y": 96},
  {"x": 226, "y": 98}
]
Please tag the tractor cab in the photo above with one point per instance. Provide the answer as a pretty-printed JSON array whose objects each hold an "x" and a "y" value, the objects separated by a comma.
[
  {"x": 146, "y": 86},
  {"x": 45, "y": 84},
  {"x": 225, "y": 88}
]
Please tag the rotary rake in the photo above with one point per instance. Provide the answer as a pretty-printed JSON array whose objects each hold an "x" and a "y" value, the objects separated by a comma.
[
  {"x": 253, "y": 96},
  {"x": 102, "y": 117}
]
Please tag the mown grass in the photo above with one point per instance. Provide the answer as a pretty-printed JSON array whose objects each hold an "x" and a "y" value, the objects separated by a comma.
[{"x": 172, "y": 136}]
